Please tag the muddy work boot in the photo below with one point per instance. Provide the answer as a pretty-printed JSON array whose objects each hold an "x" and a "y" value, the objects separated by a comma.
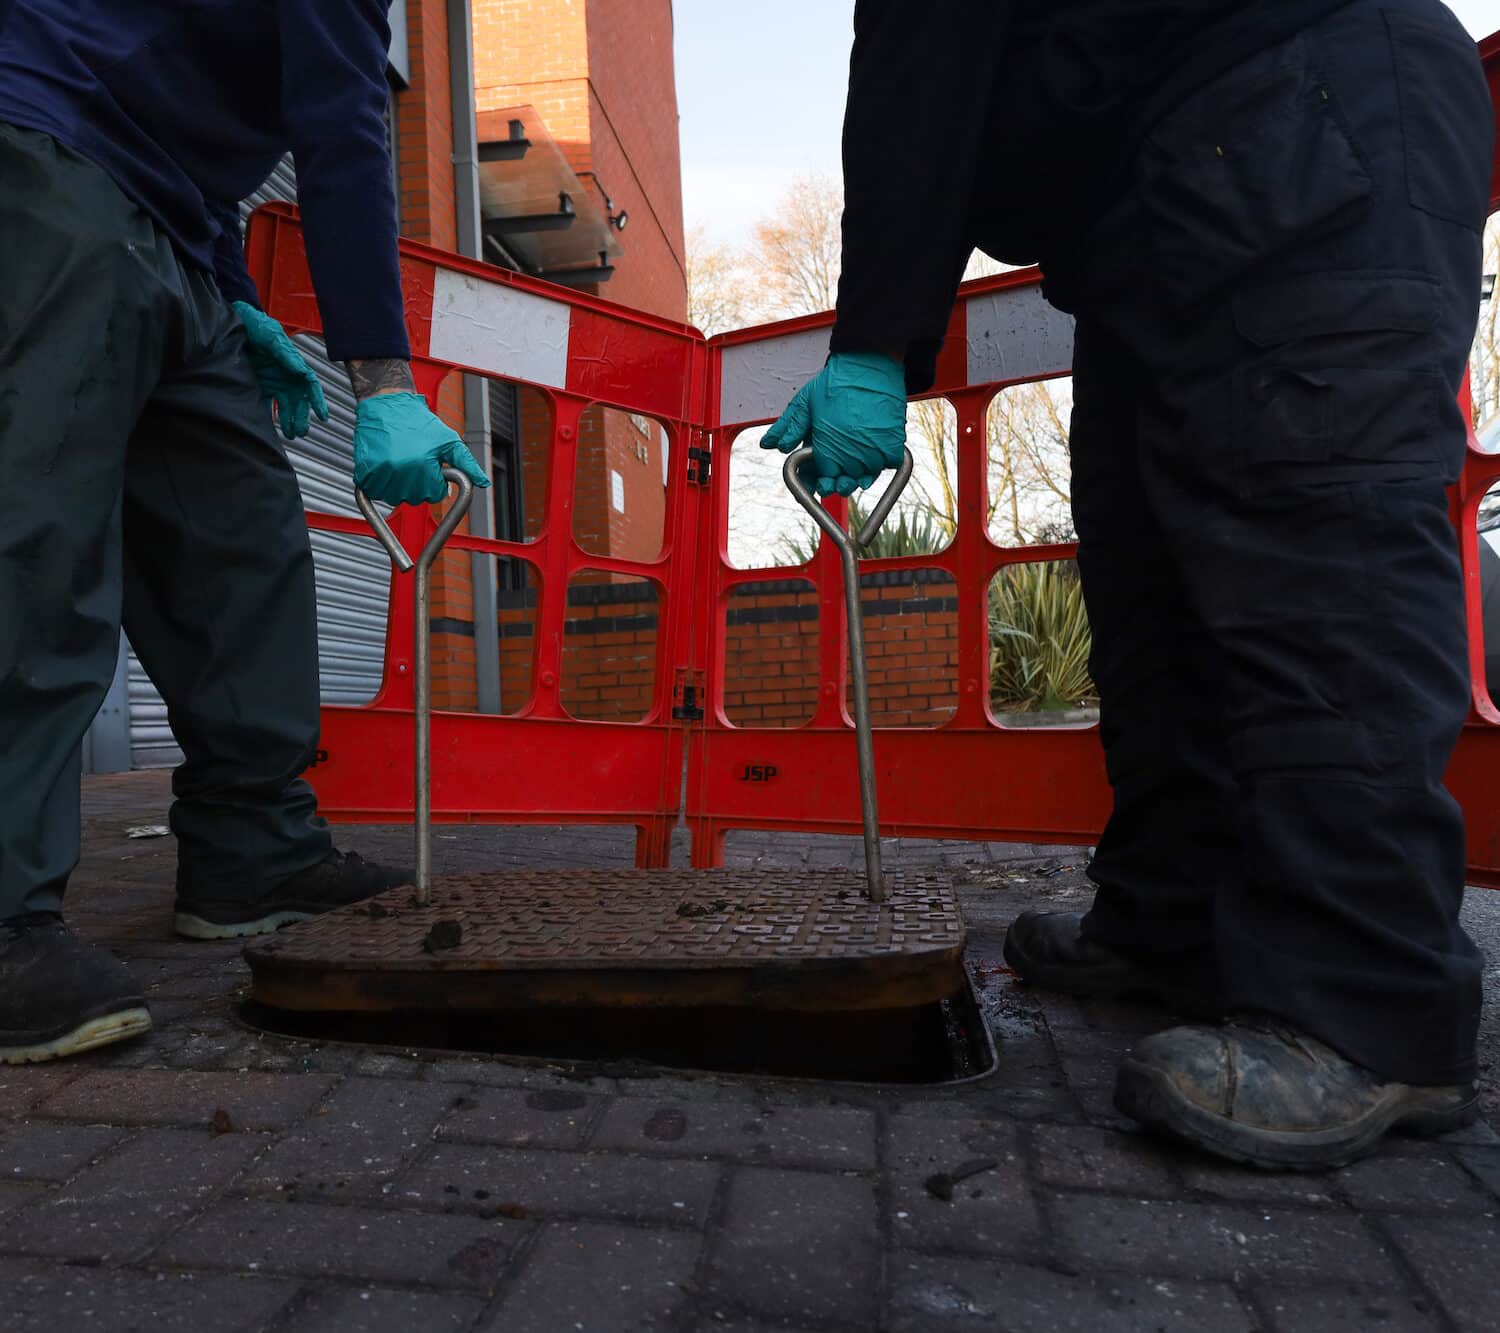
[
  {"x": 59, "y": 995},
  {"x": 1047, "y": 949},
  {"x": 338, "y": 879},
  {"x": 1260, "y": 1092}
]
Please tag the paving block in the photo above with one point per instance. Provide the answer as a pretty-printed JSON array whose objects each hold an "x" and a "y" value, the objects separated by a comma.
[
  {"x": 594, "y": 1277},
  {"x": 498, "y": 1072},
  {"x": 1456, "y": 1258},
  {"x": 357, "y": 1140},
  {"x": 15, "y": 1195},
  {"x": 389, "y": 1064},
  {"x": 990, "y": 1213},
  {"x": 183, "y": 1164},
  {"x": 58, "y": 1298},
  {"x": 1199, "y": 1240},
  {"x": 380, "y": 1310},
  {"x": 183, "y": 1097},
  {"x": 22, "y": 1086},
  {"x": 943, "y": 1293},
  {"x": 827, "y": 1138},
  {"x": 516, "y": 1118},
  {"x": 325, "y": 1240},
  {"x": 44, "y": 1151},
  {"x": 1433, "y": 1182},
  {"x": 1344, "y": 1308},
  {"x": 569, "y": 1184},
  {"x": 92, "y": 1232},
  {"x": 1085, "y": 1157},
  {"x": 1303, "y": 1189},
  {"x": 1484, "y": 1165},
  {"x": 798, "y": 1245}
]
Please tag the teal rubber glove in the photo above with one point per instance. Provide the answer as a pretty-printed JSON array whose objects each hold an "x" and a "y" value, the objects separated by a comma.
[
  {"x": 853, "y": 414},
  {"x": 400, "y": 447},
  {"x": 285, "y": 378}
]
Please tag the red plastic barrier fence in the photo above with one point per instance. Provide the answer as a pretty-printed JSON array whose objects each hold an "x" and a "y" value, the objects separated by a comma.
[
  {"x": 969, "y": 777},
  {"x": 540, "y": 765}
]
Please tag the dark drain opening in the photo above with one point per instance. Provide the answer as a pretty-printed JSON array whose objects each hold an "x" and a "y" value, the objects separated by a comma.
[{"x": 932, "y": 1043}]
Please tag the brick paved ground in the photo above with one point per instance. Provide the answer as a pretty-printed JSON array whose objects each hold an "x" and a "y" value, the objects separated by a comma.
[{"x": 210, "y": 1178}]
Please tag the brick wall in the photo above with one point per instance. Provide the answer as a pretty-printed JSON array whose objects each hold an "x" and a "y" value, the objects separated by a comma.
[
  {"x": 633, "y": 128},
  {"x": 611, "y": 641},
  {"x": 425, "y": 190},
  {"x": 600, "y": 74},
  {"x": 911, "y": 649}
]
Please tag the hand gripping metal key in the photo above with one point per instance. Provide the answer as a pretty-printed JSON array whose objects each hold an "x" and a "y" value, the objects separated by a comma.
[
  {"x": 850, "y": 546},
  {"x": 422, "y": 684}
]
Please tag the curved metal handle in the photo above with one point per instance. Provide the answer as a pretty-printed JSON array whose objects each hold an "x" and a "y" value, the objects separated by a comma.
[
  {"x": 422, "y": 650},
  {"x": 876, "y": 520},
  {"x": 849, "y": 547},
  {"x": 392, "y": 543}
]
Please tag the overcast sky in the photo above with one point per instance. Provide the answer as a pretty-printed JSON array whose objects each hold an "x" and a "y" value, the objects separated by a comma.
[{"x": 760, "y": 89}]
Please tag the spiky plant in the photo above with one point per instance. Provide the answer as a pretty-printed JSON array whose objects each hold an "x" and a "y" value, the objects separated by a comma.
[
  {"x": 1039, "y": 639},
  {"x": 906, "y": 532}
]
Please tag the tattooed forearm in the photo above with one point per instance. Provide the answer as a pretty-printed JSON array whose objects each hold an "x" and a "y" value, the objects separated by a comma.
[{"x": 386, "y": 375}]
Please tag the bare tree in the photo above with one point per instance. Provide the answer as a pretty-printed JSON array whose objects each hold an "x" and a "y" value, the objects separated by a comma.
[
  {"x": 795, "y": 253},
  {"x": 720, "y": 291},
  {"x": 1484, "y": 364},
  {"x": 1029, "y": 468}
]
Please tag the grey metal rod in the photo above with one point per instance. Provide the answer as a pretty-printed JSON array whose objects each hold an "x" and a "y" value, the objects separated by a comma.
[
  {"x": 422, "y": 652},
  {"x": 849, "y": 547}
]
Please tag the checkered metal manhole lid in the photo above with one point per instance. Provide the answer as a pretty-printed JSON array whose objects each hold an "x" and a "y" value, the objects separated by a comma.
[{"x": 545, "y": 936}]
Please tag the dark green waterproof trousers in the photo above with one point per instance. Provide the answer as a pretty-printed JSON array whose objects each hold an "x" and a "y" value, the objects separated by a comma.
[{"x": 141, "y": 479}]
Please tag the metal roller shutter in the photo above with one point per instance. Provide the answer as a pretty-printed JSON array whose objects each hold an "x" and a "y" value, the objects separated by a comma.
[{"x": 353, "y": 575}]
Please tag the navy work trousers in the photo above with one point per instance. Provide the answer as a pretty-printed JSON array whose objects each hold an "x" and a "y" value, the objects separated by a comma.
[{"x": 1274, "y": 316}]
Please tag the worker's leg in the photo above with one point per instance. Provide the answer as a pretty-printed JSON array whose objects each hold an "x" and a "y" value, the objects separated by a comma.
[
  {"x": 1170, "y": 841},
  {"x": 1315, "y": 220},
  {"x": 78, "y": 351},
  {"x": 81, "y": 328},
  {"x": 220, "y": 606}
]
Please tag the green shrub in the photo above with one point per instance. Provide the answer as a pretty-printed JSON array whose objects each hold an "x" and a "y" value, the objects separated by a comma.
[
  {"x": 1039, "y": 639},
  {"x": 906, "y": 532}
]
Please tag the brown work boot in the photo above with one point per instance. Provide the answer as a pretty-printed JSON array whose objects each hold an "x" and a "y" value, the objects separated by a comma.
[
  {"x": 1048, "y": 949},
  {"x": 1258, "y": 1091}
]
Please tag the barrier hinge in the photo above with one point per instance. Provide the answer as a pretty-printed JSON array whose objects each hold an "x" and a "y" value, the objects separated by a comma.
[
  {"x": 700, "y": 461},
  {"x": 687, "y": 695}
]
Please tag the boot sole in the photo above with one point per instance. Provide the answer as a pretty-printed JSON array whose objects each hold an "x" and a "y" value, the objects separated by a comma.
[
  {"x": 88, "y": 1036},
  {"x": 193, "y": 927},
  {"x": 1148, "y": 1095}
]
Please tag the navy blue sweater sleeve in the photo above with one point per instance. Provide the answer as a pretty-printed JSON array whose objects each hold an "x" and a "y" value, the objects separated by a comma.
[
  {"x": 920, "y": 81},
  {"x": 334, "y": 96},
  {"x": 230, "y": 272}
]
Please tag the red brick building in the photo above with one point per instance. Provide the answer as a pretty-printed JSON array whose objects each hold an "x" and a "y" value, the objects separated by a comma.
[{"x": 575, "y": 124}]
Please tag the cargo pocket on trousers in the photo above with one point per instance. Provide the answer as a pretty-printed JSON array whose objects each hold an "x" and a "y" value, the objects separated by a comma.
[
  {"x": 1446, "y": 123},
  {"x": 1249, "y": 166},
  {"x": 1335, "y": 386}
]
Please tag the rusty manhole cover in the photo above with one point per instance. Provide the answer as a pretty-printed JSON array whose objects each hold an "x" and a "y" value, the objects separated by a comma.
[{"x": 806, "y": 940}]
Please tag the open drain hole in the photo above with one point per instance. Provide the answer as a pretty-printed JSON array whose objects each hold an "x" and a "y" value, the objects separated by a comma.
[{"x": 933, "y": 1043}]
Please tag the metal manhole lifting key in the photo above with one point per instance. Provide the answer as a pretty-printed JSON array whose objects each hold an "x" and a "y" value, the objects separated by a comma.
[
  {"x": 850, "y": 546},
  {"x": 422, "y": 684}
]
